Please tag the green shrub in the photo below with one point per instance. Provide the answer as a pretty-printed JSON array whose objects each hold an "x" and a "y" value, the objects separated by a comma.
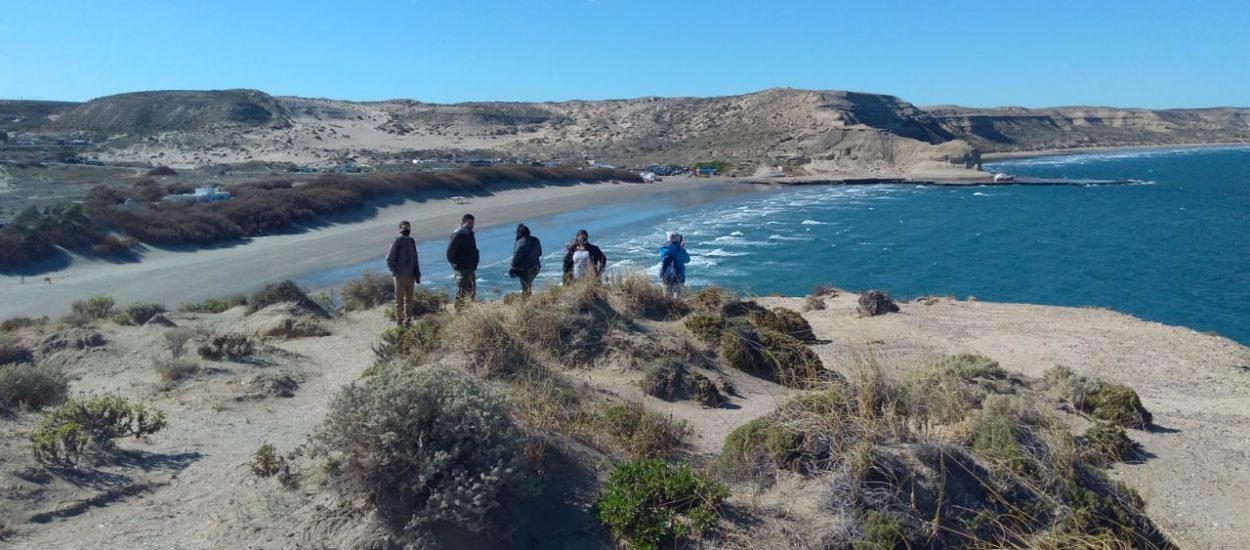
[
  {"x": 13, "y": 351},
  {"x": 231, "y": 345},
  {"x": 94, "y": 308},
  {"x": 740, "y": 344},
  {"x": 1119, "y": 404},
  {"x": 209, "y": 305},
  {"x": 705, "y": 391},
  {"x": 368, "y": 291},
  {"x": 266, "y": 462},
  {"x": 17, "y": 323},
  {"x": 666, "y": 379},
  {"x": 948, "y": 390},
  {"x": 786, "y": 321},
  {"x": 763, "y": 441},
  {"x": 712, "y": 299},
  {"x": 650, "y": 503},
  {"x": 81, "y": 426},
  {"x": 791, "y": 362},
  {"x": 705, "y": 326},
  {"x": 426, "y": 301},
  {"x": 1106, "y": 443},
  {"x": 883, "y": 530},
  {"x": 33, "y": 386},
  {"x": 138, "y": 314},
  {"x": 439, "y": 445},
  {"x": 409, "y": 341},
  {"x": 643, "y": 433}
]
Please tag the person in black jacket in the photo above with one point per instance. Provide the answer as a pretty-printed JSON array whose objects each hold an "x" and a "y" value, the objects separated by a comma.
[
  {"x": 526, "y": 256},
  {"x": 402, "y": 262},
  {"x": 462, "y": 254},
  {"x": 581, "y": 250}
]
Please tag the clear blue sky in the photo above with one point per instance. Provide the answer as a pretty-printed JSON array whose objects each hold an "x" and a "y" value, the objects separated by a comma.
[{"x": 1142, "y": 53}]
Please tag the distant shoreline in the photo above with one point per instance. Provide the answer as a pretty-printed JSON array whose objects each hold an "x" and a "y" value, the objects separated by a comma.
[{"x": 1015, "y": 155}]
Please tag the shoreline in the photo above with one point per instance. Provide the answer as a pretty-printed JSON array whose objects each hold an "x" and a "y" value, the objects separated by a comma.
[
  {"x": 1016, "y": 155},
  {"x": 173, "y": 277}
]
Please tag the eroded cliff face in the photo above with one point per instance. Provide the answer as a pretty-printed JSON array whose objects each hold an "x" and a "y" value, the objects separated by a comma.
[{"x": 1019, "y": 129}]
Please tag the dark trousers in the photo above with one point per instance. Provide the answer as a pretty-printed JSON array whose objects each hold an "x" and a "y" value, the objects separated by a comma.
[{"x": 466, "y": 288}]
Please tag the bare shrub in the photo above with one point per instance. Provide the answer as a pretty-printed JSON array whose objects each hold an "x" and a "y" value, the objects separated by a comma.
[
  {"x": 368, "y": 291},
  {"x": 176, "y": 341},
  {"x": 18, "y": 323},
  {"x": 138, "y": 314},
  {"x": 416, "y": 455},
  {"x": 231, "y": 345},
  {"x": 174, "y": 370},
  {"x": 13, "y": 351}
]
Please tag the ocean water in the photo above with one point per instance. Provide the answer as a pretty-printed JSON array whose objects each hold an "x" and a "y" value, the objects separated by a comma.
[{"x": 1174, "y": 248}]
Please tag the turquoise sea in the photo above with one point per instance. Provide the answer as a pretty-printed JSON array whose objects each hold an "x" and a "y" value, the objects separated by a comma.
[{"x": 1174, "y": 248}]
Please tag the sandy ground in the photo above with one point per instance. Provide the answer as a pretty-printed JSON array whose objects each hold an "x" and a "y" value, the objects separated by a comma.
[
  {"x": 175, "y": 277},
  {"x": 200, "y": 494},
  {"x": 1196, "y": 479}
]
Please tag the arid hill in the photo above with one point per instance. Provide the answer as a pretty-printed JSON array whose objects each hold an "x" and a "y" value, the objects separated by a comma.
[
  {"x": 1018, "y": 129},
  {"x": 801, "y": 131}
]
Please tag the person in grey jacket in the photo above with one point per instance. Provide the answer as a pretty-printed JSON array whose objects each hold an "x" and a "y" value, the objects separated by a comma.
[
  {"x": 526, "y": 256},
  {"x": 405, "y": 269},
  {"x": 463, "y": 255}
]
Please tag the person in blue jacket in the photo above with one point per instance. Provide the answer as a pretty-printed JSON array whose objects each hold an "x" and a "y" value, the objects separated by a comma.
[{"x": 673, "y": 260}]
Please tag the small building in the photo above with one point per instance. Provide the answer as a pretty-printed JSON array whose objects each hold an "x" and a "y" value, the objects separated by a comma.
[
  {"x": 201, "y": 194},
  {"x": 706, "y": 171}
]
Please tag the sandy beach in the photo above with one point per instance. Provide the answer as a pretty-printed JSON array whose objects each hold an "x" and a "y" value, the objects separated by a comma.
[{"x": 175, "y": 277}]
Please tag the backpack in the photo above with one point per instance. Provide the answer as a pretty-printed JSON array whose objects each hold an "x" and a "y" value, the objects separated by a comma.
[{"x": 668, "y": 272}]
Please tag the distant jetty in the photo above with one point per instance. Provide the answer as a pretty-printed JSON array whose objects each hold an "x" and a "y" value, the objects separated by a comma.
[{"x": 949, "y": 182}]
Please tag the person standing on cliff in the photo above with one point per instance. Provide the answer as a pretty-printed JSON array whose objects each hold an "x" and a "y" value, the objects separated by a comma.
[
  {"x": 582, "y": 258},
  {"x": 405, "y": 270},
  {"x": 463, "y": 255},
  {"x": 526, "y": 259},
  {"x": 673, "y": 260}
]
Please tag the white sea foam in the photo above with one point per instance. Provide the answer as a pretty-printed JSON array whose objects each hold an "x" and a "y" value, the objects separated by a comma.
[{"x": 813, "y": 222}]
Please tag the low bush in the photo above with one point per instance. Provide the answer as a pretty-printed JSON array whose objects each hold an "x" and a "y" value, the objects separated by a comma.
[
  {"x": 740, "y": 345},
  {"x": 487, "y": 342},
  {"x": 176, "y": 341},
  {"x": 1119, "y": 404},
  {"x": 138, "y": 314},
  {"x": 368, "y": 291},
  {"x": 265, "y": 461},
  {"x": 790, "y": 323},
  {"x": 874, "y": 302},
  {"x": 93, "y": 425},
  {"x": 18, "y": 323},
  {"x": 883, "y": 529},
  {"x": 209, "y": 305},
  {"x": 162, "y": 171},
  {"x": 791, "y": 362},
  {"x": 439, "y": 445},
  {"x": 426, "y": 301},
  {"x": 94, "y": 308},
  {"x": 13, "y": 351},
  {"x": 761, "y": 444},
  {"x": 643, "y": 298},
  {"x": 174, "y": 370},
  {"x": 712, "y": 299},
  {"x": 666, "y": 379},
  {"x": 281, "y": 293},
  {"x": 948, "y": 390},
  {"x": 651, "y": 503},
  {"x": 409, "y": 342},
  {"x": 231, "y": 345},
  {"x": 814, "y": 303},
  {"x": 643, "y": 433},
  {"x": 705, "y": 391},
  {"x": 1106, "y": 443},
  {"x": 705, "y": 326},
  {"x": 32, "y": 386},
  {"x": 113, "y": 246}
]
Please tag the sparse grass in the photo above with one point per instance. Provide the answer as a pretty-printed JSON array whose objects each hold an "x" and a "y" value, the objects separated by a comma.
[
  {"x": 80, "y": 427},
  {"x": 948, "y": 391},
  {"x": 651, "y": 503},
  {"x": 209, "y": 305},
  {"x": 643, "y": 433},
  {"x": 483, "y": 336},
  {"x": 32, "y": 386},
  {"x": 643, "y": 298},
  {"x": 368, "y": 291}
]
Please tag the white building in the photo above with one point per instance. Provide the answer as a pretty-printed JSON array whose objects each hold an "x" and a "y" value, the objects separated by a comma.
[{"x": 202, "y": 194}]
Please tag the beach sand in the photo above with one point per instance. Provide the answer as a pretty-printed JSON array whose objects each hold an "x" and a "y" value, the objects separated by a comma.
[{"x": 173, "y": 277}]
